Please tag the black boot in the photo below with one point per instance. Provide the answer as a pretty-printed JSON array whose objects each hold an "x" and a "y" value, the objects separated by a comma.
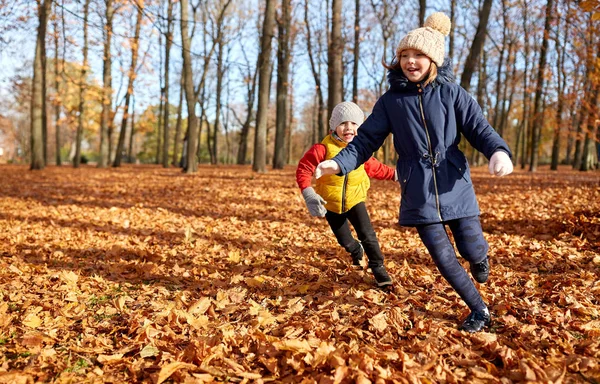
[
  {"x": 357, "y": 257},
  {"x": 481, "y": 271},
  {"x": 381, "y": 276},
  {"x": 476, "y": 321}
]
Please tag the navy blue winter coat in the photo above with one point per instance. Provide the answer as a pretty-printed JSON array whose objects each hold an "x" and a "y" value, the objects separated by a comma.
[{"x": 427, "y": 124}]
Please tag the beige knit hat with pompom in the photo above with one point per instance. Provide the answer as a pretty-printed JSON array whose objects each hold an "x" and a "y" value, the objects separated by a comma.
[{"x": 429, "y": 39}]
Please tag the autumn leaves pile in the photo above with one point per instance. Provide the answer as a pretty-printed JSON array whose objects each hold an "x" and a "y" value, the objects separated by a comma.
[{"x": 144, "y": 274}]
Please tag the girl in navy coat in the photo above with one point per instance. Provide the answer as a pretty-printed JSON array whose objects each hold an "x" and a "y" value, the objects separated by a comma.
[{"x": 428, "y": 113}]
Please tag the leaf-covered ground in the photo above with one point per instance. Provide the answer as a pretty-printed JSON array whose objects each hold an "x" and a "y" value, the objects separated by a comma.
[{"x": 142, "y": 274}]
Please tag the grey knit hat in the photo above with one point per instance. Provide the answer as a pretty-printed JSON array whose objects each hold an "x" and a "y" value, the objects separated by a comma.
[
  {"x": 429, "y": 39},
  {"x": 346, "y": 111}
]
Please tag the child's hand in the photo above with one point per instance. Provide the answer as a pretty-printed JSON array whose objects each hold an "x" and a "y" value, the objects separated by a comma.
[
  {"x": 500, "y": 164},
  {"x": 327, "y": 167},
  {"x": 314, "y": 202}
]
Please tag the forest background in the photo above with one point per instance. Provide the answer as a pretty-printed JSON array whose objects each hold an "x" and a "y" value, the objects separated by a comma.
[{"x": 107, "y": 77}]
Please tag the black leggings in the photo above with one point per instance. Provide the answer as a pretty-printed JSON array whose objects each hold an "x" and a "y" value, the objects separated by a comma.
[
  {"x": 471, "y": 245},
  {"x": 359, "y": 217}
]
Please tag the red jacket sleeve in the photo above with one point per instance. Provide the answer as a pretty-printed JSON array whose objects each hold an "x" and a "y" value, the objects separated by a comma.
[
  {"x": 307, "y": 165},
  {"x": 378, "y": 170}
]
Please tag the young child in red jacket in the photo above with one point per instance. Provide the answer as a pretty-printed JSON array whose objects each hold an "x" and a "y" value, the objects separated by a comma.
[{"x": 341, "y": 199}]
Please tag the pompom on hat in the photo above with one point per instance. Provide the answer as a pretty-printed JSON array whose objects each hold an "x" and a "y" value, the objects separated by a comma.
[
  {"x": 346, "y": 111},
  {"x": 429, "y": 39}
]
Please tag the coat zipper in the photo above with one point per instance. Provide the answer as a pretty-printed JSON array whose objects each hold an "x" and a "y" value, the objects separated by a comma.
[
  {"x": 344, "y": 193},
  {"x": 432, "y": 157}
]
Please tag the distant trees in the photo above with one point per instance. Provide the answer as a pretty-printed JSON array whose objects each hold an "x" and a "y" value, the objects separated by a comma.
[{"x": 227, "y": 57}]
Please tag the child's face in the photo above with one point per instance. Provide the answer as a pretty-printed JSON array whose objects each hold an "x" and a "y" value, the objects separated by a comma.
[
  {"x": 346, "y": 131},
  {"x": 415, "y": 64}
]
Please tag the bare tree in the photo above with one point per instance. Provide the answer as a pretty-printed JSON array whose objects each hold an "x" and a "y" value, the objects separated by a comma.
[
  {"x": 283, "y": 65},
  {"x": 106, "y": 117},
  {"x": 168, "y": 43},
  {"x": 38, "y": 92},
  {"x": 356, "y": 51},
  {"x": 191, "y": 162},
  {"x": 179, "y": 122},
  {"x": 82, "y": 85},
  {"x": 538, "y": 114},
  {"x": 422, "y": 9},
  {"x": 316, "y": 71},
  {"x": 250, "y": 97},
  {"x": 264, "y": 81},
  {"x": 334, "y": 57},
  {"x": 476, "y": 46},
  {"x": 132, "y": 71}
]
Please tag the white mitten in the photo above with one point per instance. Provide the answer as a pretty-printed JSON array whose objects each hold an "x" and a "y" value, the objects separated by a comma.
[
  {"x": 500, "y": 164},
  {"x": 314, "y": 202},
  {"x": 327, "y": 167}
]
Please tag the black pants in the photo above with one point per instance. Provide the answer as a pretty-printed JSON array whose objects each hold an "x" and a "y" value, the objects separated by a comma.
[
  {"x": 471, "y": 245},
  {"x": 359, "y": 218}
]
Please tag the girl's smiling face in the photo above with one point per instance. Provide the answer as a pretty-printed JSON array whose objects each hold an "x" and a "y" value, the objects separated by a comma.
[
  {"x": 415, "y": 64},
  {"x": 346, "y": 131}
]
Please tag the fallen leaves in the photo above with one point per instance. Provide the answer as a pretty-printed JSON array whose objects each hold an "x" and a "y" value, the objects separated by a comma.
[{"x": 142, "y": 274}]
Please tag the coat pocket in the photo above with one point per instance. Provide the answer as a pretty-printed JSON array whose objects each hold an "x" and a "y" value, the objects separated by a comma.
[
  {"x": 404, "y": 172},
  {"x": 460, "y": 164}
]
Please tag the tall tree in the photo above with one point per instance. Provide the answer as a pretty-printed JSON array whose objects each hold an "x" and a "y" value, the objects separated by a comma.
[
  {"x": 476, "y": 45},
  {"x": 334, "y": 57},
  {"x": 452, "y": 33},
  {"x": 132, "y": 74},
  {"x": 38, "y": 89},
  {"x": 220, "y": 38},
  {"x": 356, "y": 52},
  {"x": 178, "y": 125},
  {"x": 250, "y": 97},
  {"x": 57, "y": 98},
  {"x": 538, "y": 113},
  {"x": 562, "y": 85},
  {"x": 283, "y": 65},
  {"x": 316, "y": 71},
  {"x": 106, "y": 117},
  {"x": 191, "y": 161},
  {"x": 264, "y": 82},
  {"x": 82, "y": 85},
  {"x": 168, "y": 44},
  {"x": 422, "y": 9}
]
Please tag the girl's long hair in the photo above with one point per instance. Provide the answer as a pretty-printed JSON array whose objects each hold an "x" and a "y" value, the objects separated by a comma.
[{"x": 395, "y": 66}]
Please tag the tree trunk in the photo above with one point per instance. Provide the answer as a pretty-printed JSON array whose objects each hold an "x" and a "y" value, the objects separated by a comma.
[
  {"x": 334, "y": 57},
  {"x": 451, "y": 35},
  {"x": 422, "y": 8},
  {"x": 283, "y": 65},
  {"x": 107, "y": 88},
  {"x": 191, "y": 161},
  {"x": 499, "y": 100},
  {"x": 251, "y": 95},
  {"x": 477, "y": 45},
  {"x": 562, "y": 85},
  {"x": 538, "y": 113},
  {"x": 356, "y": 51},
  {"x": 120, "y": 152},
  {"x": 57, "y": 99},
  {"x": 179, "y": 122},
  {"x": 130, "y": 156},
  {"x": 38, "y": 96},
  {"x": 264, "y": 75},
  {"x": 82, "y": 86},
  {"x": 316, "y": 71},
  {"x": 168, "y": 43},
  {"x": 220, "y": 73}
]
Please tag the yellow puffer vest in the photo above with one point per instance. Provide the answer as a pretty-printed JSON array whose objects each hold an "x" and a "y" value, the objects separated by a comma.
[{"x": 342, "y": 192}]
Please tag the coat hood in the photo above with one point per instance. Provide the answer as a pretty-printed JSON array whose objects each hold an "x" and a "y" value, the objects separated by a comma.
[{"x": 399, "y": 82}]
